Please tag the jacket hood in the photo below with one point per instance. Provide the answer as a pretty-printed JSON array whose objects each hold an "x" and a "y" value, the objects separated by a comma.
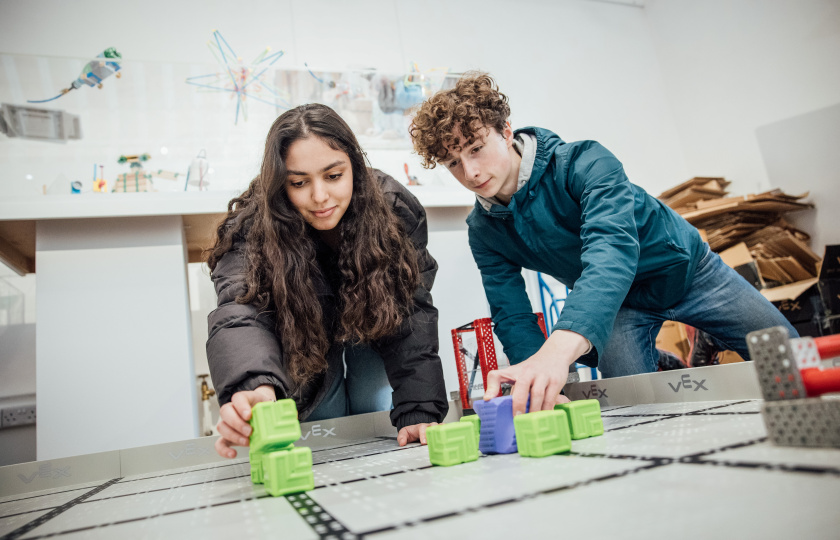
[{"x": 547, "y": 142}]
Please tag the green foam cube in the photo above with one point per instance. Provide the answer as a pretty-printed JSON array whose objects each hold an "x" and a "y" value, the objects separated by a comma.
[
  {"x": 255, "y": 458},
  {"x": 275, "y": 425},
  {"x": 451, "y": 444},
  {"x": 584, "y": 418},
  {"x": 542, "y": 433},
  {"x": 288, "y": 471},
  {"x": 475, "y": 420}
]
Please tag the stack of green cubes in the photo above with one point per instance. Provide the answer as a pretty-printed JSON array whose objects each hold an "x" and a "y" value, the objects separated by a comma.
[
  {"x": 275, "y": 461},
  {"x": 538, "y": 434}
]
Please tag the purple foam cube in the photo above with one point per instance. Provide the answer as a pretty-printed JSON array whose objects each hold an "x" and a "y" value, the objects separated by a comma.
[{"x": 497, "y": 433}]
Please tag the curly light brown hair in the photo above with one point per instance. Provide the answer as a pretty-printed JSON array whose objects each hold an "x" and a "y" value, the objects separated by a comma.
[{"x": 473, "y": 104}]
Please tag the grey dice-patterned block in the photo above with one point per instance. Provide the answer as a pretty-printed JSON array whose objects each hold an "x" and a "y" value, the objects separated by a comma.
[
  {"x": 805, "y": 422},
  {"x": 778, "y": 373}
]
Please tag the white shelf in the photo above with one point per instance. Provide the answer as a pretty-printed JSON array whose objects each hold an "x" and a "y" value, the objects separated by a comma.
[{"x": 94, "y": 205}]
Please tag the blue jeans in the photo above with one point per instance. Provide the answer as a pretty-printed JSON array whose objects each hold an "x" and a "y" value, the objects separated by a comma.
[
  {"x": 720, "y": 302},
  {"x": 364, "y": 387}
]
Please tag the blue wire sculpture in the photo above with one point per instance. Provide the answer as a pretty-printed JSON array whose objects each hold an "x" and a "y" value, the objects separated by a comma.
[{"x": 239, "y": 78}]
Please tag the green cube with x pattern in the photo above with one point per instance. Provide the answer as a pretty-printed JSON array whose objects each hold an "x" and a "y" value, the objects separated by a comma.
[
  {"x": 542, "y": 433},
  {"x": 451, "y": 444},
  {"x": 584, "y": 418},
  {"x": 255, "y": 458},
  {"x": 275, "y": 425},
  {"x": 475, "y": 421},
  {"x": 288, "y": 471}
]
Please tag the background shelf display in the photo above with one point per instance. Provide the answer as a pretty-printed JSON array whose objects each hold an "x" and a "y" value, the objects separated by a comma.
[{"x": 160, "y": 109}]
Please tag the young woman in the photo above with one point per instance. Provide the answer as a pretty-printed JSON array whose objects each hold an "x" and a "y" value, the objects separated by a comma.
[{"x": 322, "y": 263}]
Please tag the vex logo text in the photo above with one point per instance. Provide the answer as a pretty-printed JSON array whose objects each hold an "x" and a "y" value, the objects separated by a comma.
[
  {"x": 685, "y": 383},
  {"x": 318, "y": 431},
  {"x": 46, "y": 471},
  {"x": 190, "y": 450},
  {"x": 595, "y": 392},
  {"x": 790, "y": 305}
]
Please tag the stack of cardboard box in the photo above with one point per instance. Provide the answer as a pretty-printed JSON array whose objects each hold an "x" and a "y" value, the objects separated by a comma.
[
  {"x": 686, "y": 196},
  {"x": 752, "y": 237},
  {"x": 730, "y": 220}
]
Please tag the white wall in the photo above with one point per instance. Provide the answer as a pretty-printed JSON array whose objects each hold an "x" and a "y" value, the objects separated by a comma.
[
  {"x": 583, "y": 69},
  {"x": 800, "y": 154},
  {"x": 675, "y": 89},
  {"x": 586, "y": 70},
  {"x": 732, "y": 66}
]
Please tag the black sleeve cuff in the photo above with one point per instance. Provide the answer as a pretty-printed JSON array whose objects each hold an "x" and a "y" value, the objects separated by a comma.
[
  {"x": 414, "y": 417},
  {"x": 589, "y": 359},
  {"x": 252, "y": 383}
]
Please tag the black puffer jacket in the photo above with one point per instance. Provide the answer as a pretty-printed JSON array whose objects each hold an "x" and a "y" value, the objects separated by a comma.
[{"x": 244, "y": 352}]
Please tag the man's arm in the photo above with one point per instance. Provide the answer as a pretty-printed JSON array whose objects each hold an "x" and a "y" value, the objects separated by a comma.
[
  {"x": 610, "y": 242},
  {"x": 514, "y": 319},
  {"x": 545, "y": 368},
  {"x": 609, "y": 258},
  {"x": 541, "y": 377}
]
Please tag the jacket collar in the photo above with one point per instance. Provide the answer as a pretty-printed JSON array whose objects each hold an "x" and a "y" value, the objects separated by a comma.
[{"x": 546, "y": 142}]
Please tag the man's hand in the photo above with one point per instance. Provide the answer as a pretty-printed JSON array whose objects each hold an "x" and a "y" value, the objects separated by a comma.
[
  {"x": 542, "y": 376},
  {"x": 417, "y": 432},
  {"x": 233, "y": 423}
]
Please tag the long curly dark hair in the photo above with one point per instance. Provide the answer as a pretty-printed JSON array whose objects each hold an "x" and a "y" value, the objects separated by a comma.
[{"x": 376, "y": 259}]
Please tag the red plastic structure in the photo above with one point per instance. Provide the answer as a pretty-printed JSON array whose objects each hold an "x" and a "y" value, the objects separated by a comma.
[
  {"x": 486, "y": 354},
  {"x": 819, "y": 381}
]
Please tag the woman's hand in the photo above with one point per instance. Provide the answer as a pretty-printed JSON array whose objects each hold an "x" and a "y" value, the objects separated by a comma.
[
  {"x": 233, "y": 423},
  {"x": 417, "y": 432}
]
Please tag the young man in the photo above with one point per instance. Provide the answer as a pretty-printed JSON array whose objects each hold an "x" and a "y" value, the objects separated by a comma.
[{"x": 569, "y": 211}]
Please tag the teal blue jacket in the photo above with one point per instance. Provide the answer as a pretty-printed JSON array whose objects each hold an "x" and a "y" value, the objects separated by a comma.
[{"x": 581, "y": 221}]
